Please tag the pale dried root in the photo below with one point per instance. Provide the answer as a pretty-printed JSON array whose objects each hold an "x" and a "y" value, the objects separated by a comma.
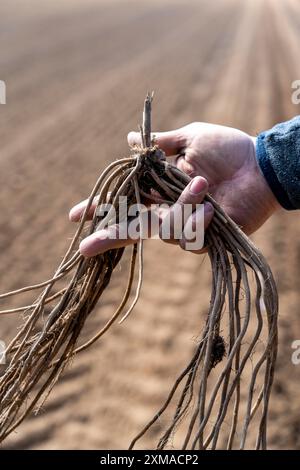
[{"x": 212, "y": 407}]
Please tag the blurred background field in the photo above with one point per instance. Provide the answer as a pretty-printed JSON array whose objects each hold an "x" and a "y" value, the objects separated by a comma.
[{"x": 76, "y": 75}]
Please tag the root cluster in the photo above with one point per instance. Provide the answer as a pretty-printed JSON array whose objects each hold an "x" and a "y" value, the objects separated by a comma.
[{"x": 210, "y": 402}]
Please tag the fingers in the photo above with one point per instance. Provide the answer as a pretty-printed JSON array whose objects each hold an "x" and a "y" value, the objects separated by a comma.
[
  {"x": 183, "y": 165},
  {"x": 174, "y": 222},
  {"x": 102, "y": 241},
  {"x": 77, "y": 211},
  {"x": 194, "y": 192},
  {"x": 145, "y": 226},
  {"x": 192, "y": 238},
  {"x": 186, "y": 221},
  {"x": 184, "y": 224},
  {"x": 170, "y": 142}
]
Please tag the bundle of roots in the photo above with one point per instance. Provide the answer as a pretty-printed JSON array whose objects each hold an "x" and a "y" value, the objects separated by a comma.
[{"x": 211, "y": 402}]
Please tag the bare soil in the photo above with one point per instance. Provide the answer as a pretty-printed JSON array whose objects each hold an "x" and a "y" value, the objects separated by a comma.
[{"x": 76, "y": 75}]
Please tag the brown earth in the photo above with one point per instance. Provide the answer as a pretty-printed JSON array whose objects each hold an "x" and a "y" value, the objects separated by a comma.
[{"x": 76, "y": 75}]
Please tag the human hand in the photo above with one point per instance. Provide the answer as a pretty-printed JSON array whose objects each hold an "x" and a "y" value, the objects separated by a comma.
[
  {"x": 225, "y": 159},
  {"x": 172, "y": 221}
]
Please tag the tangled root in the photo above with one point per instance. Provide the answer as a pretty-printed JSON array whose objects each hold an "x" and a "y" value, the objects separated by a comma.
[{"x": 212, "y": 402}]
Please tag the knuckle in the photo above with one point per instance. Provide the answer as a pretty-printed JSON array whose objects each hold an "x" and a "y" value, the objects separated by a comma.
[{"x": 193, "y": 126}]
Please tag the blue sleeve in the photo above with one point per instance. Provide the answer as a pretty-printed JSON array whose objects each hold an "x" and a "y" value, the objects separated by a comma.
[{"x": 278, "y": 155}]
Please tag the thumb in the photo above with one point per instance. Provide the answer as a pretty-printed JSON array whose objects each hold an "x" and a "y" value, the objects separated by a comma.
[{"x": 170, "y": 142}]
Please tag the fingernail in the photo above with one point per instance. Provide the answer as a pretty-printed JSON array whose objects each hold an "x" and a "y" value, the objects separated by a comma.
[
  {"x": 198, "y": 185},
  {"x": 75, "y": 212},
  {"x": 74, "y": 215}
]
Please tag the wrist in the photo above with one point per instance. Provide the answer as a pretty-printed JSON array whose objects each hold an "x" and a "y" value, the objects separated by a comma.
[{"x": 270, "y": 201}]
